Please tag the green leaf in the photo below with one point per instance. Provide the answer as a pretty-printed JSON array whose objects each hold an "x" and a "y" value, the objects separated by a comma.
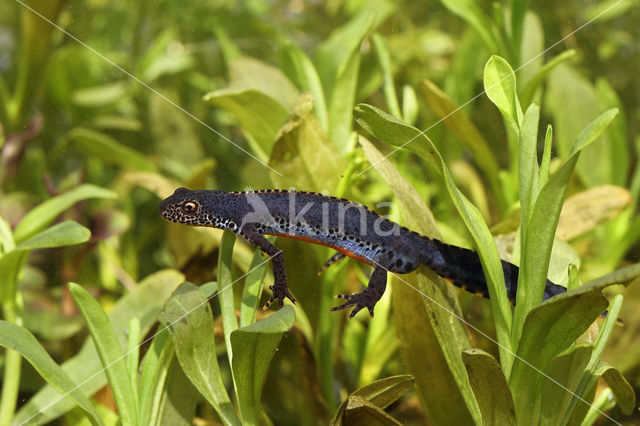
[
  {"x": 153, "y": 379},
  {"x": 258, "y": 115},
  {"x": 532, "y": 85},
  {"x": 303, "y": 155},
  {"x": 565, "y": 370},
  {"x": 247, "y": 73},
  {"x": 464, "y": 129},
  {"x": 549, "y": 329},
  {"x": 490, "y": 388},
  {"x": 375, "y": 397},
  {"x": 341, "y": 103},
  {"x": 253, "y": 286},
  {"x": 333, "y": 54},
  {"x": 541, "y": 229},
  {"x": 225, "y": 284},
  {"x": 305, "y": 74},
  {"x": 42, "y": 215},
  {"x": 573, "y": 103},
  {"x": 21, "y": 340},
  {"x": 10, "y": 266},
  {"x": 471, "y": 13},
  {"x": 110, "y": 352},
  {"x": 100, "y": 96},
  {"x": 392, "y": 131},
  {"x": 621, "y": 388},
  {"x": 108, "y": 149},
  {"x": 384, "y": 61},
  {"x": 144, "y": 302},
  {"x": 253, "y": 349},
  {"x": 61, "y": 234},
  {"x": 188, "y": 316},
  {"x": 528, "y": 165},
  {"x": 178, "y": 401},
  {"x": 500, "y": 86},
  {"x": 433, "y": 355}
]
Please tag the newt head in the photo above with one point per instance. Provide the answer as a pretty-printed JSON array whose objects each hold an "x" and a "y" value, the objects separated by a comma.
[{"x": 181, "y": 207}]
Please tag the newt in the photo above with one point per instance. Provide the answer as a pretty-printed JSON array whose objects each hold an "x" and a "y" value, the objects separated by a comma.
[{"x": 346, "y": 226}]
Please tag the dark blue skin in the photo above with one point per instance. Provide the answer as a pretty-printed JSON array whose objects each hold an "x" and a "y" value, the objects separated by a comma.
[{"x": 351, "y": 228}]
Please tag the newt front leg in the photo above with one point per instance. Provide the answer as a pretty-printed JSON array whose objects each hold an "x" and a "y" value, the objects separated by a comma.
[{"x": 279, "y": 289}]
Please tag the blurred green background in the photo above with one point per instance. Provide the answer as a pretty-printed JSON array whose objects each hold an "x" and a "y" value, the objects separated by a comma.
[{"x": 146, "y": 96}]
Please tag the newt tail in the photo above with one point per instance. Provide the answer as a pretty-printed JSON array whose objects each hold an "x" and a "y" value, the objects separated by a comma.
[{"x": 348, "y": 227}]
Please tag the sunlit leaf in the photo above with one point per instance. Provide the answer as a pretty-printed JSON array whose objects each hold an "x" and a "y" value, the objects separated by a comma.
[
  {"x": 253, "y": 349},
  {"x": 42, "y": 215},
  {"x": 21, "y": 340},
  {"x": 110, "y": 352},
  {"x": 500, "y": 87},
  {"x": 188, "y": 316},
  {"x": 144, "y": 302},
  {"x": 62, "y": 234},
  {"x": 490, "y": 388}
]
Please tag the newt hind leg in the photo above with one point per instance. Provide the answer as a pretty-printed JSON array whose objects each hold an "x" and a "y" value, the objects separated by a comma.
[
  {"x": 336, "y": 257},
  {"x": 369, "y": 296}
]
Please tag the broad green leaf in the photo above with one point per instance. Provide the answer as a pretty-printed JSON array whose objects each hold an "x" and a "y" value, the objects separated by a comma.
[
  {"x": 489, "y": 387},
  {"x": 178, "y": 401},
  {"x": 253, "y": 349},
  {"x": 621, "y": 388},
  {"x": 587, "y": 209},
  {"x": 155, "y": 370},
  {"x": 259, "y": 115},
  {"x": 471, "y": 13},
  {"x": 306, "y": 76},
  {"x": 110, "y": 352},
  {"x": 61, "y": 234},
  {"x": 302, "y": 153},
  {"x": 596, "y": 368},
  {"x": 247, "y": 73},
  {"x": 108, "y": 149},
  {"x": 42, "y": 215},
  {"x": 22, "y": 341},
  {"x": 225, "y": 284},
  {"x": 456, "y": 120},
  {"x": 545, "y": 163},
  {"x": 252, "y": 290},
  {"x": 500, "y": 86},
  {"x": 540, "y": 232},
  {"x": 549, "y": 329},
  {"x": 564, "y": 371},
  {"x": 616, "y": 134},
  {"x": 536, "y": 80},
  {"x": 188, "y": 316},
  {"x": 85, "y": 369},
  {"x": 376, "y": 396},
  {"x": 433, "y": 356},
  {"x": 390, "y": 130},
  {"x": 573, "y": 103}
]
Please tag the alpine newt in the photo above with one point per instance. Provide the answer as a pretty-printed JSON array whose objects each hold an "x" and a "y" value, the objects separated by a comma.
[{"x": 348, "y": 227}]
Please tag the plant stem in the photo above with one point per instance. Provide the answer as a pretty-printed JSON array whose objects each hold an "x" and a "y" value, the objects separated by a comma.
[{"x": 12, "y": 366}]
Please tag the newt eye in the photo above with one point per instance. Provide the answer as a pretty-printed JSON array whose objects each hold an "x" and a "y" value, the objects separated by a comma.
[{"x": 189, "y": 207}]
